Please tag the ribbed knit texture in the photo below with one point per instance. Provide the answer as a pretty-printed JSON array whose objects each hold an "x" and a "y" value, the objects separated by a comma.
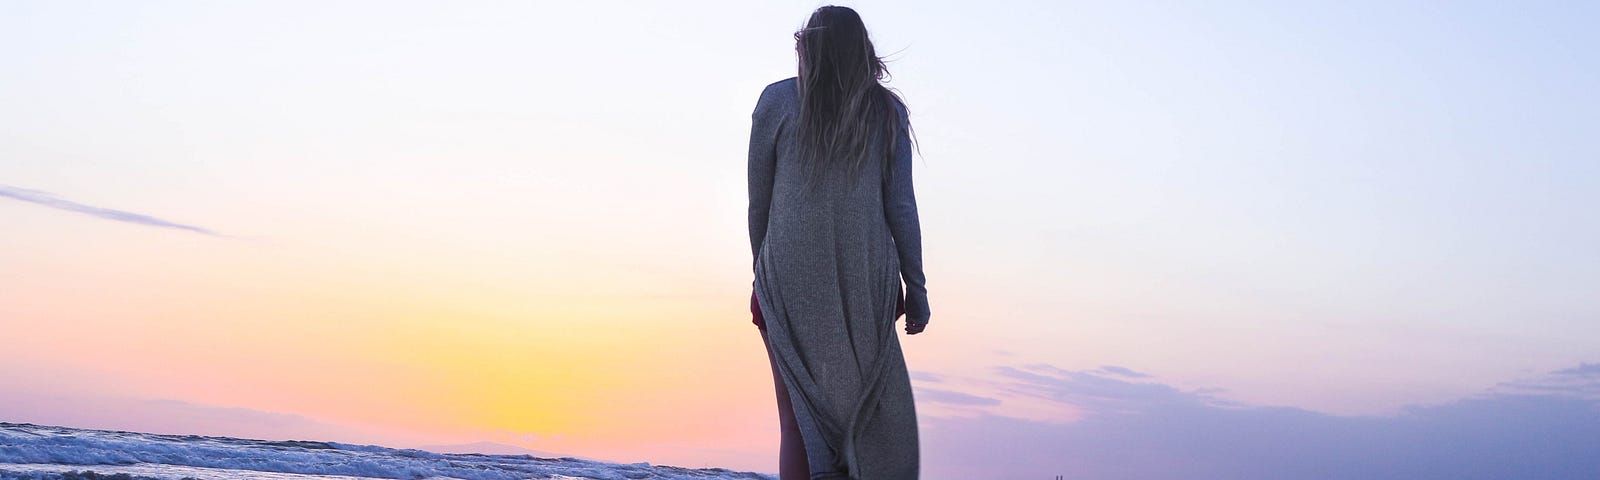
[{"x": 828, "y": 268}]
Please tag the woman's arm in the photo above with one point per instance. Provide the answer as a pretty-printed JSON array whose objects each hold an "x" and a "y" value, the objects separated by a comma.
[
  {"x": 764, "y": 123},
  {"x": 900, "y": 209}
]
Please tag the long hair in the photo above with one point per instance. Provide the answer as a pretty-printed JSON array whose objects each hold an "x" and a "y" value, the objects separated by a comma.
[{"x": 844, "y": 109}]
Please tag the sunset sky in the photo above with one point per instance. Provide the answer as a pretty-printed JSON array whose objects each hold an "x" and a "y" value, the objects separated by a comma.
[{"x": 429, "y": 223}]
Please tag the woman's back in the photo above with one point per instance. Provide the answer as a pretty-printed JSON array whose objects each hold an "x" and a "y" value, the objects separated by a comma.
[
  {"x": 838, "y": 205},
  {"x": 828, "y": 266}
]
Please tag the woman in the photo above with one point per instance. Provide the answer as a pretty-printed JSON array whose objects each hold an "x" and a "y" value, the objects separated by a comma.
[{"x": 834, "y": 230}]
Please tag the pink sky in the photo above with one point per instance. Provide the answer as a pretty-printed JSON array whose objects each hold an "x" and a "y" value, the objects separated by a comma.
[{"x": 422, "y": 224}]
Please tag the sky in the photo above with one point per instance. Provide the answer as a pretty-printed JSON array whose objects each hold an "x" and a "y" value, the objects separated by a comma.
[{"x": 1146, "y": 225}]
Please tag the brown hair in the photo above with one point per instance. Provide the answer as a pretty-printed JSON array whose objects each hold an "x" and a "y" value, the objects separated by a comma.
[{"x": 845, "y": 110}]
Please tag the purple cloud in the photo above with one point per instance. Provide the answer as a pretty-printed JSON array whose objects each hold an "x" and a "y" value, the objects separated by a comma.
[
  {"x": 1591, "y": 370},
  {"x": 1115, "y": 370},
  {"x": 1146, "y": 430},
  {"x": 954, "y": 398},
  {"x": 49, "y": 200}
]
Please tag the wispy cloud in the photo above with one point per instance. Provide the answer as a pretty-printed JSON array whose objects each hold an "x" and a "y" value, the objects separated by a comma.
[
  {"x": 1103, "y": 390},
  {"x": 1123, "y": 371},
  {"x": 1582, "y": 381},
  {"x": 1137, "y": 428},
  {"x": 958, "y": 398},
  {"x": 49, "y": 200},
  {"x": 1583, "y": 369}
]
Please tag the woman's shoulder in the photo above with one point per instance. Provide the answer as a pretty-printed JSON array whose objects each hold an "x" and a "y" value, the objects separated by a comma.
[
  {"x": 779, "y": 97},
  {"x": 787, "y": 83},
  {"x": 786, "y": 87}
]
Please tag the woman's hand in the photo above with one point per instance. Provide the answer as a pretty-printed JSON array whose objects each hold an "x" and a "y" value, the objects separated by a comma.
[{"x": 915, "y": 328}]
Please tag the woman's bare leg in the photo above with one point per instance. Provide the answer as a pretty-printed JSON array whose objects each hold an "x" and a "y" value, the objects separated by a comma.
[{"x": 791, "y": 449}]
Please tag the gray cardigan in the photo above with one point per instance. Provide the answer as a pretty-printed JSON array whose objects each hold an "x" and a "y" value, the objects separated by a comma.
[{"x": 777, "y": 106}]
